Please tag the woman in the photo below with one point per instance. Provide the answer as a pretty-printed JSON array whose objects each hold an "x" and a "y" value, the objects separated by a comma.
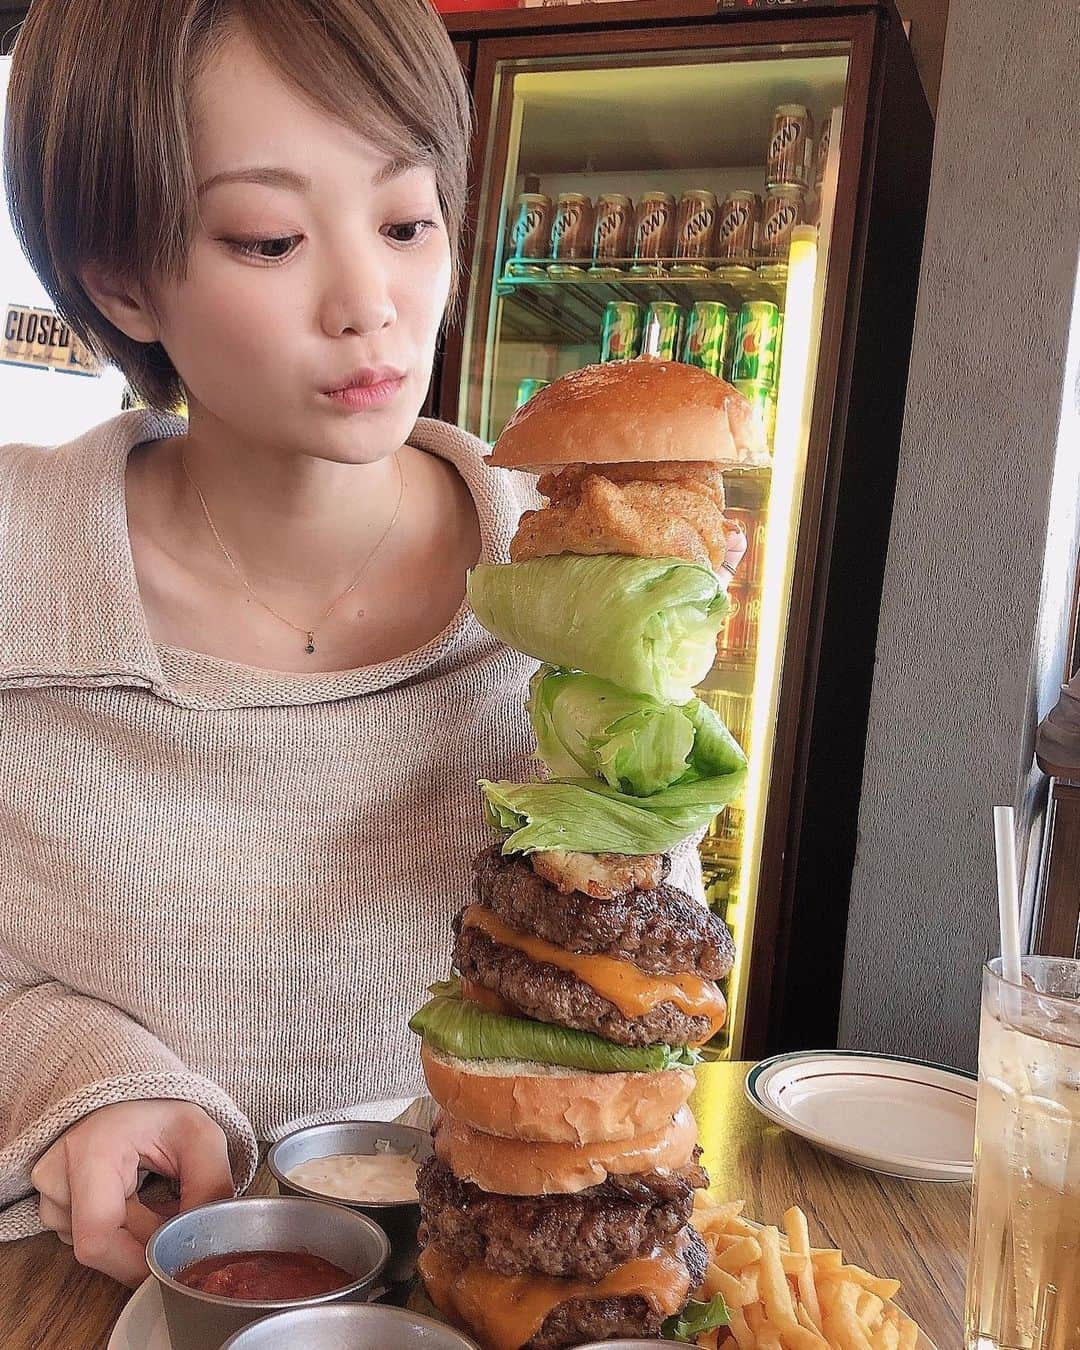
[{"x": 243, "y": 700}]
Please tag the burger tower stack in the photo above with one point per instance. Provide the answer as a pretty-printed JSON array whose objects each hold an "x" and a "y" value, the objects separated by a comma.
[{"x": 556, "y": 1210}]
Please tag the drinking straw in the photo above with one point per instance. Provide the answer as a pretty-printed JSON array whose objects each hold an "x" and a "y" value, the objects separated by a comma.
[{"x": 1008, "y": 892}]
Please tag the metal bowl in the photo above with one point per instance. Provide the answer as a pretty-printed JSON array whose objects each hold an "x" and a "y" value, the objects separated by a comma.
[
  {"x": 359, "y": 1327},
  {"x": 399, "y": 1219},
  {"x": 199, "y": 1321}
]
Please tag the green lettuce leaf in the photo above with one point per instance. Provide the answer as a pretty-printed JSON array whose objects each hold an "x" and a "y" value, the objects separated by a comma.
[
  {"x": 458, "y": 1027},
  {"x": 637, "y": 745},
  {"x": 697, "y": 1318},
  {"x": 589, "y": 817},
  {"x": 647, "y": 624}
]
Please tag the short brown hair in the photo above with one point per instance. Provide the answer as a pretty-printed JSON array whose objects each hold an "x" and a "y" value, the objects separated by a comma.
[{"x": 98, "y": 149}]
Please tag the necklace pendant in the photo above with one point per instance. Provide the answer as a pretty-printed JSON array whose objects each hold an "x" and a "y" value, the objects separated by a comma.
[{"x": 310, "y": 643}]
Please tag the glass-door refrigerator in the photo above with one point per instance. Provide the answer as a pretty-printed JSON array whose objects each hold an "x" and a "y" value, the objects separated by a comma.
[{"x": 745, "y": 193}]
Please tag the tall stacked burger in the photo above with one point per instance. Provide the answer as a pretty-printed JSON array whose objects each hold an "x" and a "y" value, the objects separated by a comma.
[{"x": 556, "y": 1210}]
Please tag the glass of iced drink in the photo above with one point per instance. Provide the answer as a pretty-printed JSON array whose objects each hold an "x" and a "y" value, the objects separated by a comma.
[{"x": 1024, "y": 1280}]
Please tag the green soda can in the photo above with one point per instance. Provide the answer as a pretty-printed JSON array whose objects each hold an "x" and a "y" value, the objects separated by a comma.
[
  {"x": 762, "y": 398},
  {"x": 757, "y": 341},
  {"x": 526, "y": 389},
  {"x": 620, "y": 337},
  {"x": 663, "y": 330},
  {"x": 708, "y": 336}
]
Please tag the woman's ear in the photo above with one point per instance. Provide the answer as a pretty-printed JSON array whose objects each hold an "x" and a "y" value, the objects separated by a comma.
[{"x": 123, "y": 303}]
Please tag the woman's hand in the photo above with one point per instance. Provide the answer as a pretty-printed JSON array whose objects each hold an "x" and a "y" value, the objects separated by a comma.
[{"x": 89, "y": 1178}]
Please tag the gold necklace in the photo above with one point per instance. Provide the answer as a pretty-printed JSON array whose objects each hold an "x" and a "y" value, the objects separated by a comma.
[{"x": 309, "y": 633}]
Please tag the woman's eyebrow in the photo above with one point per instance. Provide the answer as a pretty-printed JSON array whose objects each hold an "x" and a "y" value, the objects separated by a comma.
[
  {"x": 269, "y": 176},
  {"x": 266, "y": 176},
  {"x": 393, "y": 168}
]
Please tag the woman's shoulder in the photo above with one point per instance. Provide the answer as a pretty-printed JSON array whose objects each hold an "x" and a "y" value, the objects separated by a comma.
[
  {"x": 33, "y": 476},
  {"x": 81, "y": 460},
  {"x": 55, "y": 500}
]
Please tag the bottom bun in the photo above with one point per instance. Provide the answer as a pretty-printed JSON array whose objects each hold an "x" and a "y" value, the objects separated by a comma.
[
  {"x": 546, "y": 1103},
  {"x": 519, "y": 1167}
]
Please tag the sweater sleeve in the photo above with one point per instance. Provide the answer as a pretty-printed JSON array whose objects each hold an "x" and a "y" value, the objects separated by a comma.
[
  {"x": 1057, "y": 741},
  {"x": 65, "y": 1055},
  {"x": 686, "y": 867}
]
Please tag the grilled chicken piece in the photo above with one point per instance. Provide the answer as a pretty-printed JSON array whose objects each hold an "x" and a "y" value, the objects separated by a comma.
[{"x": 601, "y": 875}]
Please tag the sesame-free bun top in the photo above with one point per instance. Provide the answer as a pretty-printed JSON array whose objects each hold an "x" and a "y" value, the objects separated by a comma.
[{"x": 625, "y": 411}]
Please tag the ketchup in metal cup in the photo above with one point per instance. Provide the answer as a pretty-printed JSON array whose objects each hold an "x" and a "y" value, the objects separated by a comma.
[{"x": 264, "y": 1277}]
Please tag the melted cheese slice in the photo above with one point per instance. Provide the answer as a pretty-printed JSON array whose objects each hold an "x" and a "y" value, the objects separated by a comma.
[
  {"x": 634, "y": 992},
  {"x": 486, "y": 998},
  {"x": 505, "y": 1311}
]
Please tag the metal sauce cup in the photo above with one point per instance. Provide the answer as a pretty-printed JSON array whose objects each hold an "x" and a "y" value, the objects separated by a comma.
[
  {"x": 368, "y": 1326},
  {"x": 199, "y": 1321},
  {"x": 398, "y": 1219}
]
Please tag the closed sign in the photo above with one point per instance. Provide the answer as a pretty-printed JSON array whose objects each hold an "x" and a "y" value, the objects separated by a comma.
[{"x": 40, "y": 337}]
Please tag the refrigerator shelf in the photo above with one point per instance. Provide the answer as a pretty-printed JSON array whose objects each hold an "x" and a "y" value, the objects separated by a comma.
[{"x": 569, "y": 311}]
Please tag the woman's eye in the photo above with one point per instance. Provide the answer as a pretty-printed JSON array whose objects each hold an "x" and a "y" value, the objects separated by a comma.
[
  {"x": 266, "y": 250},
  {"x": 409, "y": 231}
]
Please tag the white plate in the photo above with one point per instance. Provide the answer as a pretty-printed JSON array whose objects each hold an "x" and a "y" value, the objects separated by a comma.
[
  {"x": 899, "y": 1116},
  {"x": 141, "y": 1326}
]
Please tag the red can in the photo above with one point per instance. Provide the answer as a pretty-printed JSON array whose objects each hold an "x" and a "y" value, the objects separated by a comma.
[
  {"x": 572, "y": 232},
  {"x": 788, "y": 160},
  {"x": 614, "y": 217},
  {"x": 737, "y": 225},
  {"x": 751, "y": 621},
  {"x": 695, "y": 224},
  {"x": 785, "y": 207},
  {"x": 654, "y": 226},
  {"x": 731, "y": 640}
]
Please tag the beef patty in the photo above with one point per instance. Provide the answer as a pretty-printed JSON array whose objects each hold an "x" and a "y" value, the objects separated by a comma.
[
  {"x": 581, "y": 1320},
  {"x": 549, "y": 994},
  {"x": 579, "y": 1236},
  {"x": 662, "y": 931}
]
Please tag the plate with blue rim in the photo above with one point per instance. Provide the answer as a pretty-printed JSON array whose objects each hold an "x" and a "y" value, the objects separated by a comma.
[{"x": 903, "y": 1117}]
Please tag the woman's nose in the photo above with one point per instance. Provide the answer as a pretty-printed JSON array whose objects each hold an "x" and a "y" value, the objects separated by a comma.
[{"x": 356, "y": 294}]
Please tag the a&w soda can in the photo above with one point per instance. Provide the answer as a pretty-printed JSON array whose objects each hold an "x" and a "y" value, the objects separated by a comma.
[
  {"x": 654, "y": 226},
  {"x": 695, "y": 224},
  {"x": 614, "y": 217},
  {"x": 789, "y": 146},
  {"x": 530, "y": 226},
  {"x": 737, "y": 225},
  {"x": 571, "y": 235},
  {"x": 784, "y": 209}
]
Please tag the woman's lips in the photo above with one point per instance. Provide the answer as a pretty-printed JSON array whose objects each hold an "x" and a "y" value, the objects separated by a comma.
[{"x": 364, "y": 397}]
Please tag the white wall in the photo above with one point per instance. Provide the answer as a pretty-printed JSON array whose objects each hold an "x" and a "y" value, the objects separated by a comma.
[
  {"x": 984, "y": 539},
  {"x": 43, "y": 407}
]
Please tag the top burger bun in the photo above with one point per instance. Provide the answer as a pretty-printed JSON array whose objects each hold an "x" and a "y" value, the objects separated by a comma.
[{"x": 625, "y": 411}]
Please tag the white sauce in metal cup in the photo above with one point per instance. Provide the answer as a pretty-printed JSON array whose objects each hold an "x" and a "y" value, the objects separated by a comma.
[{"x": 373, "y": 1177}]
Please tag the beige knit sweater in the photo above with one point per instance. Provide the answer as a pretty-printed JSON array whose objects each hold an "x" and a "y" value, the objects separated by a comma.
[{"x": 219, "y": 883}]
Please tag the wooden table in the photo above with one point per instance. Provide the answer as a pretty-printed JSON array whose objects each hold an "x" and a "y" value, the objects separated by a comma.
[{"x": 915, "y": 1231}]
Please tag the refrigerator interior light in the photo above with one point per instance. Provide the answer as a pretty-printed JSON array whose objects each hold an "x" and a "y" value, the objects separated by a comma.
[{"x": 793, "y": 402}]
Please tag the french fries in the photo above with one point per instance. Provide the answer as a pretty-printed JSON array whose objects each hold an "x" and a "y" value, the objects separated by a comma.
[{"x": 784, "y": 1294}]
